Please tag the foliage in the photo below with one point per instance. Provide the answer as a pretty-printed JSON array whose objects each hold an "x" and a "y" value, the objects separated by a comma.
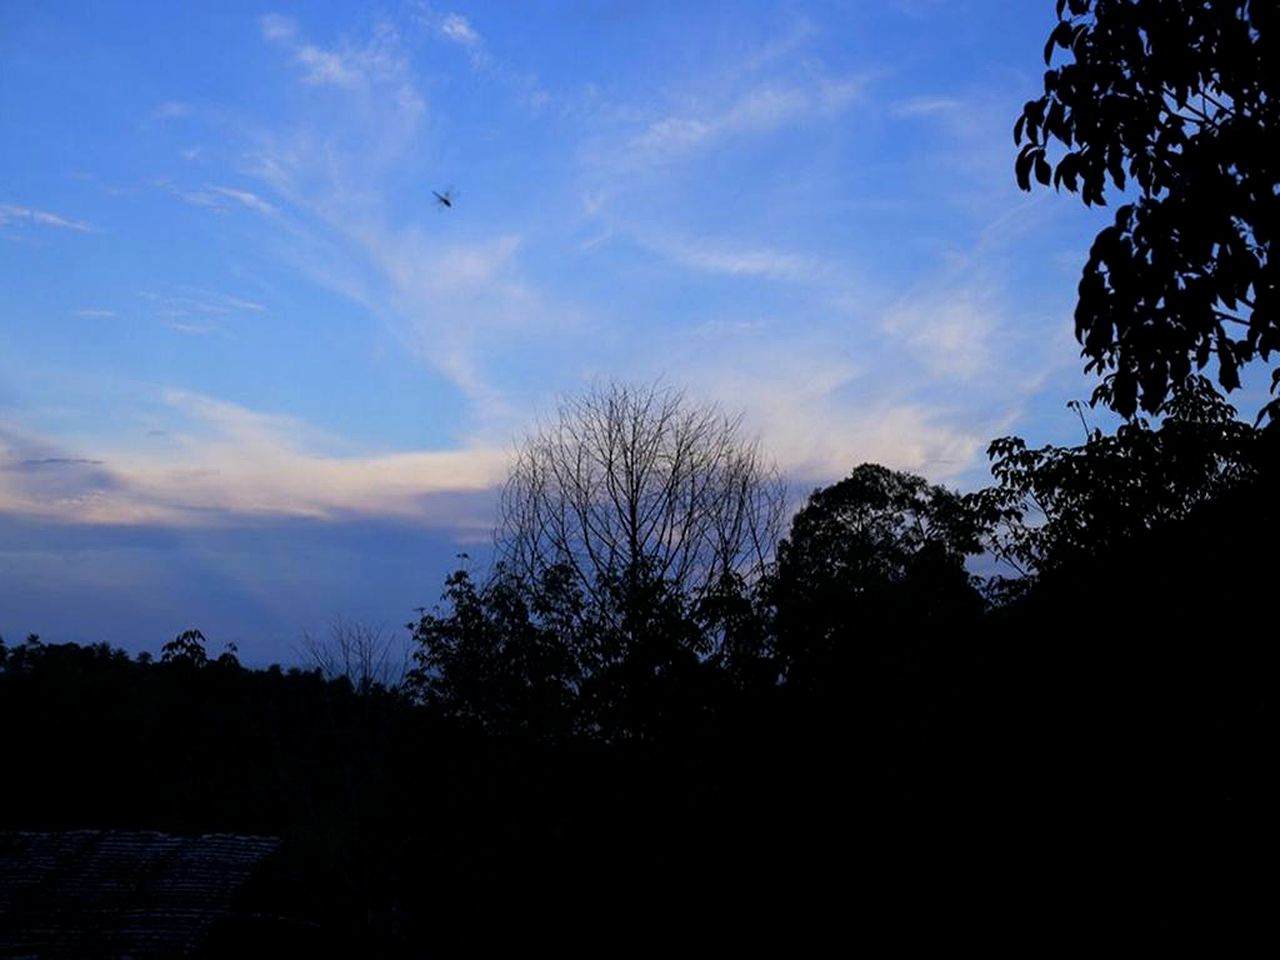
[
  {"x": 1062, "y": 504},
  {"x": 868, "y": 561},
  {"x": 500, "y": 658},
  {"x": 186, "y": 648},
  {"x": 1173, "y": 101},
  {"x": 526, "y": 657},
  {"x": 634, "y": 530}
]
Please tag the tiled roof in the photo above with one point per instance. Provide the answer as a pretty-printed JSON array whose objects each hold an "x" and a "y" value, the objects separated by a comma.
[{"x": 117, "y": 893}]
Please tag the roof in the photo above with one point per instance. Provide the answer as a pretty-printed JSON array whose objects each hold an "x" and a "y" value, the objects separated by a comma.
[{"x": 119, "y": 893}]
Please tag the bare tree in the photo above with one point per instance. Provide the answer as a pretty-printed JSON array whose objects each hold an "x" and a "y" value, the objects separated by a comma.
[
  {"x": 636, "y": 481},
  {"x": 367, "y": 656}
]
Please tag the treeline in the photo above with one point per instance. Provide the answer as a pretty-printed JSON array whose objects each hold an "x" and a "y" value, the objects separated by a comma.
[{"x": 563, "y": 746}]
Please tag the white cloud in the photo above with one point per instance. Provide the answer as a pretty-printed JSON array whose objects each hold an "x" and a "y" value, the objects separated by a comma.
[
  {"x": 458, "y": 29},
  {"x": 918, "y": 106},
  {"x": 278, "y": 28},
  {"x": 820, "y": 409},
  {"x": 171, "y": 110},
  {"x": 13, "y": 214},
  {"x": 950, "y": 332},
  {"x": 739, "y": 261},
  {"x": 222, "y": 463},
  {"x": 245, "y": 198},
  {"x": 325, "y": 66},
  {"x": 195, "y": 311},
  {"x": 95, "y": 314},
  {"x": 222, "y": 198},
  {"x": 759, "y": 111},
  {"x": 379, "y": 61},
  {"x": 197, "y": 329}
]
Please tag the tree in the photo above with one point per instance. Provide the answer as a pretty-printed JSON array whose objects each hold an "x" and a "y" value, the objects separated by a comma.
[
  {"x": 368, "y": 657},
  {"x": 493, "y": 662},
  {"x": 1064, "y": 506},
  {"x": 633, "y": 529},
  {"x": 634, "y": 485},
  {"x": 873, "y": 565},
  {"x": 1173, "y": 101}
]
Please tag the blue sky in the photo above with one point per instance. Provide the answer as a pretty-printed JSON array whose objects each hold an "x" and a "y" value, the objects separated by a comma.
[{"x": 252, "y": 376}]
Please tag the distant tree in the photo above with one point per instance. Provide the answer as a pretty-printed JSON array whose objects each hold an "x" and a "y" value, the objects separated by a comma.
[
  {"x": 873, "y": 565},
  {"x": 187, "y": 648},
  {"x": 369, "y": 657},
  {"x": 1174, "y": 102}
]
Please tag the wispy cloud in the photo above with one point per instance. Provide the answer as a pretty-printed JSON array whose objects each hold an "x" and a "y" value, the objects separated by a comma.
[
  {"x": 94, "y": 313},
  {"x": 761, "y": 110},
  {"x": 457, "y": 28},
  {"x": 821, "y": 404},
  {"x": 382, "y": 59},
  {"x": 733, "y": 260},
  {"x": 196, "y": 312},
  {"x": 171, "y": 110},
  {"x": 454, "y": 297},
  {"x": 222, "y": 198},
  {"x": 15, "y": 215},
  {"x": 36, "y": 463},
  {"x": 950, "y": 332},
  {"x": 278, "y": 28},
  {"x": 222, "y": 463},
  {"x": 923, "y": 106}
]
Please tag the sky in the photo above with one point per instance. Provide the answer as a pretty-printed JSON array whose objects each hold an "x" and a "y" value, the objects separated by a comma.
[{"x": 254, "y": 377}]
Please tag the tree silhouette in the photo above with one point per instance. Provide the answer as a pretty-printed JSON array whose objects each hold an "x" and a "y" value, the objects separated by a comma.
[
  {"x": 633, "y": 530},
  {"x": 873, "y": 565},
  {"x": 1172, "y": 101},
  {"x": 632, "y": 483},
  {"x": 1062, "y": 505}
]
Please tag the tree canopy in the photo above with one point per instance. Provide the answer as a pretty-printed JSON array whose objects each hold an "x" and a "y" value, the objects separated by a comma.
[
  {"x": 872, "y": 562},
  {"x": 1171, "y": 103},
  {"x": 1064, "y": 505}
]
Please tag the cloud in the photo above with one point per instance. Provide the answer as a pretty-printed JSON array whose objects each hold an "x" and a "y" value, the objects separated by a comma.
[
  {"x": 763, "y": 110},
  {"x": 57, "y": 462},
  {"x": 918, "y": 106},
  {"x": 458, "y": 29},
  {"x": 221, "y": 199},
  {"x": 454, "y": 294},
  {"x": 324, "y": 66},
  {"x": 380, "y": 60},
  {"x": 171, "y": 110},
  {"x": 278, "y": 28},
  {"x": 197, "y": 329},
  {"x": 221, "y": 463},
  {"x": 194, "y": 311},
  {"x": 739, "y": 261},
  {"x": 245, "y": 198},
  {"x": 950, "y": 332},
  {"x": 96, "y": 314},
  {"x": 820, "y": 409},
  {"x": 16, "y": 215}
]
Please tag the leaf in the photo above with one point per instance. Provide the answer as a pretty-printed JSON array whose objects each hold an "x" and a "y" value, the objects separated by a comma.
[
  {"x": 1043, "y": 171},
  {"x": 1022, "y": 167}
]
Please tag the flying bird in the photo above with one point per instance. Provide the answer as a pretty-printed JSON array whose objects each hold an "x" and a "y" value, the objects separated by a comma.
[{"x": 444, "y": 199}]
